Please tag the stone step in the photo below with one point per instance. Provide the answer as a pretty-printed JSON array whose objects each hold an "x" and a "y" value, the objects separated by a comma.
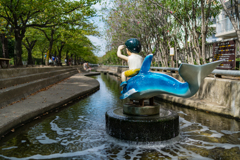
[
  {"x": 16, "y": 72},
  {"x": 16, "y": 93},
  {"x": 8, "y": 82}
]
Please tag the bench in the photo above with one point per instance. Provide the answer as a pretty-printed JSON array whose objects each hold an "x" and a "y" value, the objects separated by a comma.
[{"x": 4, "y": 60}]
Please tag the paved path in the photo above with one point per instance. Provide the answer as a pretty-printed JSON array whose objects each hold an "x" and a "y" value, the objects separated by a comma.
[{"x": 45, "y": 100}]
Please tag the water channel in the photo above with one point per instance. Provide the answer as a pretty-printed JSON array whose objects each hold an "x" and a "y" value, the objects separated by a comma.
[{"x": 78, "y": 132}]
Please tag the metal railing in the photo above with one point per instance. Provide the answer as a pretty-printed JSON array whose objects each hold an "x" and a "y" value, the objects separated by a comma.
[
  {"x": 226, "y": 72},
  {"x": 215, "y": 71},
  {"x": 165, "y": 68},
  {"x": 93, "y": 65}
]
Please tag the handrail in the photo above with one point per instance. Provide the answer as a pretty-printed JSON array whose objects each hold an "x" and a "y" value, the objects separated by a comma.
[
  {"x": 226, "y": 72},
  {"x": 93, "y": 65},
  {"x": 115, "y": 66},
  {"x": 215, "y": 71},
  {"x": 165, "y": 68}
]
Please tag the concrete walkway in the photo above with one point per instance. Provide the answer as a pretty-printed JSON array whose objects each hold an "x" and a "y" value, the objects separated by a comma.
[{"x": 45, "y": 100}]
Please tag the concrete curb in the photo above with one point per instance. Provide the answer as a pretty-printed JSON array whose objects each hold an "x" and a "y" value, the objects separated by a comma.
[{"x": 57, "y": 96}]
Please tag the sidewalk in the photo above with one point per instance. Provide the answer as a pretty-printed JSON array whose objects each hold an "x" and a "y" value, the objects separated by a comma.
[{"x": 46, "y": 100}]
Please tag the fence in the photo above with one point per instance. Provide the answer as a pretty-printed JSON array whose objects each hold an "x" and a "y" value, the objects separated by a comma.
[{"x": 216, "y": 72}]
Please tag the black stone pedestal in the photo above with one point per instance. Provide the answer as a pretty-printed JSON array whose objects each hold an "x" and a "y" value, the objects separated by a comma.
[
  {"x": 163, "y": 126},
  {"x": 134, "y": 110}
]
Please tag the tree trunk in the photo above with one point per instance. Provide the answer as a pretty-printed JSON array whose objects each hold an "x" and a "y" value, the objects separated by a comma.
[
  {"x": 186, "y": 44},
  {"x": 71, "y": 56},
  {"x": 238, "y": 35},
  {"x": 67, "y": 58},
  {"x": 204, "y": 47},
  {"x": 30, "y": 60},
  {"x": 29, "y": 46},
  {"x": 49, "y": 52},
  {"x": 176, "y": 55},
  {"x": 50, "y": 46},
  {"x": 190, "y": 52},
  {"x": 60, "y": 54},
  {"x": 204, "y": 32},
  {"x": 4, "y": 42},
  {"x": 59, "y": 58},
  {"x": 18, "y": 51},
  {"x": 235, "y": 22},
  {"x": 75, "y": 62},
  {"x": 42, "y": 58},
  {"x": 188, "y": 59},
  {"x": 191, "y": 55}
]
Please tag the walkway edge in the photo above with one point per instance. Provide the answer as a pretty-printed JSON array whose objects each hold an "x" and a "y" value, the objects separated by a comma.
[{"x": 15, "y": 115}]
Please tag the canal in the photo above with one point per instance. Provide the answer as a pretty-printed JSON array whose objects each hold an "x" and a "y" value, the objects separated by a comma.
[{"x": 78, "y": 132}]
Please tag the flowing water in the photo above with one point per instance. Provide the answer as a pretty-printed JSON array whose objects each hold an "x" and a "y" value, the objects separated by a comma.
[{"x": 78, "y": 132}]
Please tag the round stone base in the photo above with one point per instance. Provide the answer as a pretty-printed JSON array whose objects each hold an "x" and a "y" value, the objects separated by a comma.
[
  {"x": 135, "y": 110},
  {"x": 163, "y": 126}
]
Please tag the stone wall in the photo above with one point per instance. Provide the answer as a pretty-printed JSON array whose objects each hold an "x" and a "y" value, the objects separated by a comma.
[
  {"x": 214, "y": 95},
  {"x": 18, "y": 83}
]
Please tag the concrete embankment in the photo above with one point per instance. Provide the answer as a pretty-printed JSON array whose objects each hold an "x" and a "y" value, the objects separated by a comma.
[
  {"x": 43, "y": 99},
  {"x": 18, "y": 83},
  {"x": 217, "y": 95}
]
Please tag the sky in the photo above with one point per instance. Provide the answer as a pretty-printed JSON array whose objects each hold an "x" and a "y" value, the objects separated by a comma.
[{"x": 99, "y": 41}]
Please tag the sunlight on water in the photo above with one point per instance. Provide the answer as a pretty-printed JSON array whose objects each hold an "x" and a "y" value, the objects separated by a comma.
[{"x": 78, "y": 132}]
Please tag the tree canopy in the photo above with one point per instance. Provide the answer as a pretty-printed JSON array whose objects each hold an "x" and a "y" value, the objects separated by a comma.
[
  {"x": 21, "y": 20},
  {"x": 161, "y": 25}
]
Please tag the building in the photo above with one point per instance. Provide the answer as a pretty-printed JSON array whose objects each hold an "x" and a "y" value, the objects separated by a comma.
[
  {"x": 224, "y": 27},
  {"x": 225, "y": 44}
]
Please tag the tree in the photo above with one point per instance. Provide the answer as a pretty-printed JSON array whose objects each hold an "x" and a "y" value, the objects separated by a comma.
[
  {"x": 21, "y": 15},
  {"x": 49, "y": 34},
  {"x": 10, "y": 48},
  {"x": 161, "y": 25},
  {"x": 41, "y": 46},
  {"x": 5, "y": 34},
  {"x": 110, "y": 58},
  {"x": 187, "y": 14},
  {"x": 29, "y": 41},
  {"x": 233, "y": 15}
]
